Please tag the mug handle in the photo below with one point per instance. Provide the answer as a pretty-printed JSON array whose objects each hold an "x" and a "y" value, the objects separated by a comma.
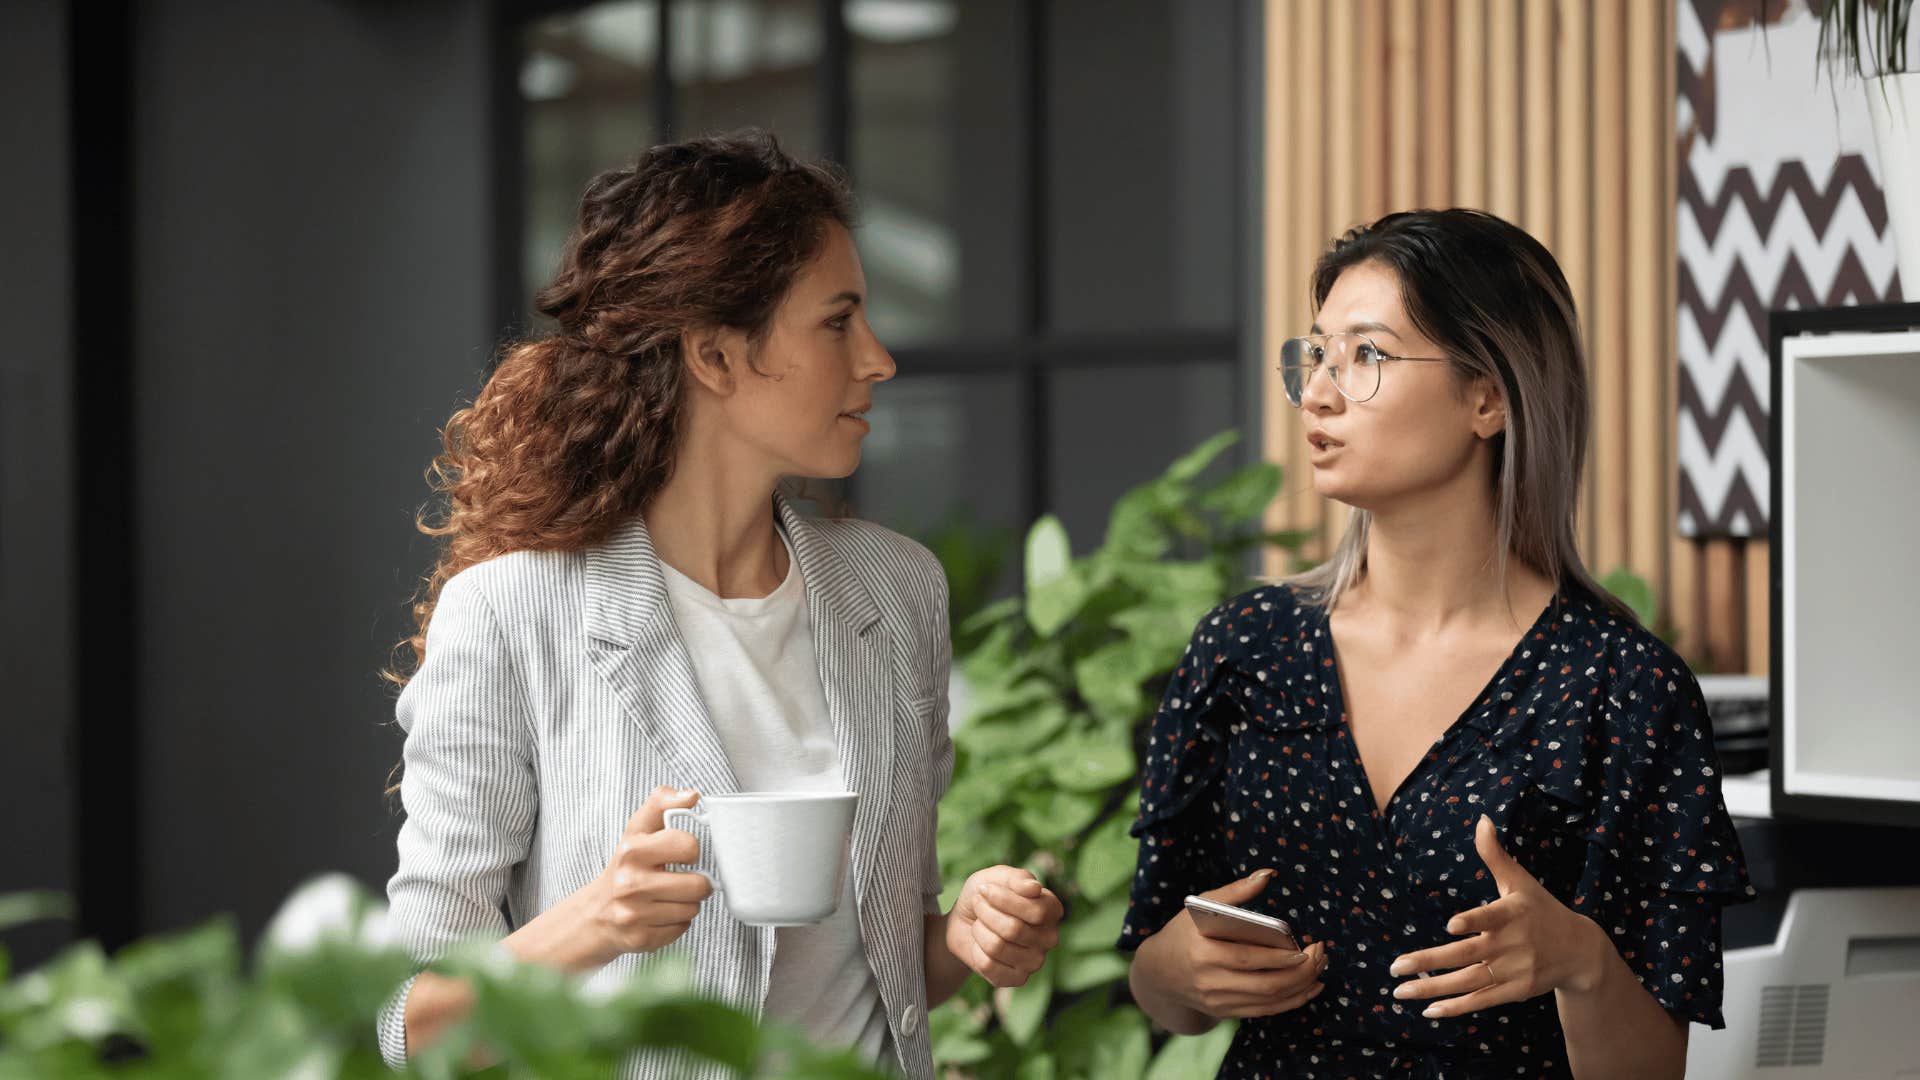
[{"x": 672, "y": 819}]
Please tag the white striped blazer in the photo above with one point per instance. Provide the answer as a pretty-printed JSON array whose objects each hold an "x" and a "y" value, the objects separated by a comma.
[{"x": 555, "y": 694}]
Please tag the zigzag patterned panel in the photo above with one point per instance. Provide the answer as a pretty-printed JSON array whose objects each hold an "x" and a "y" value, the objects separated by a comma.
[{"x": 1779, "y": 206}]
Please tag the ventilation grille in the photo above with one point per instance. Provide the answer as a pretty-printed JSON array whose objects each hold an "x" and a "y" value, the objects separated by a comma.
[{"x": 1793, "y": 1026}]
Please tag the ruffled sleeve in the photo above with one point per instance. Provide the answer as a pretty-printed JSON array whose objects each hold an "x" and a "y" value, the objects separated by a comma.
[
  {"x": 1182, "y": 765},
  {"x": 1664, "y": 859}
]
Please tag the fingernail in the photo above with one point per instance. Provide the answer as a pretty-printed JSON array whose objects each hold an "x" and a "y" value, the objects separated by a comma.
[
  {"x": 1430, "y": 1011},
  {"x": 1399, "y": 968},
  {"x": 1453, "y": 926},
  {"x": 1262, "y": 875},
  {"x": 1403, "y": 990}
]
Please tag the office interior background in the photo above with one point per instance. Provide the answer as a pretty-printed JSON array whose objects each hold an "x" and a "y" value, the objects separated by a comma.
[{"x": 257, "y": 253}]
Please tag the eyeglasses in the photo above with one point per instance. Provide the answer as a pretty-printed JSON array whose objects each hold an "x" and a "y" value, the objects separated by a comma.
[{"x": 1352, "y": 361}]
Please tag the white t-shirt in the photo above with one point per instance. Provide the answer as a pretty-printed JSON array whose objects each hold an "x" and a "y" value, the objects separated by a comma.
[{"x": 759, "y": 677}]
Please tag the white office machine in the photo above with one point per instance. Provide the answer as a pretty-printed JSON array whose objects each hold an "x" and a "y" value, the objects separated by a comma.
[{"x": 1836, "y": 992}]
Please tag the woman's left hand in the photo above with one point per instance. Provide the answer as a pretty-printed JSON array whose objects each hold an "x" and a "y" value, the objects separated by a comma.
[
  {"x": 1522, "y": 945},
  {"x": 1003, "y": 924}
]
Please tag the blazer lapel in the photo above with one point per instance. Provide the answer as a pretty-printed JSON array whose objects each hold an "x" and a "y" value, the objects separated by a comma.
[
  {"x": 856, "y": 671},
  {"x": 634, "y": 645}
]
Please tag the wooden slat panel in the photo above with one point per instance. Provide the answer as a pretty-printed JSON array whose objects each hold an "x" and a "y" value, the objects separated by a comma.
[
  {"x": 1683, "y": 586},
  {"x": 1276, "y": 250},
  {"x": 1470, "y": 103},
  {"x": 1680, "y": 603},
  {"x": 1723, "y": 620},
  {"x": 1342, "y": 105},
  {"x": 1436, "y": 103},
  {"x": 1608, "y": 356},
  {"x": 1537, "y": 107},
  {"x": 1503, "y": 108},
  {"x": 1759, "y": 604},
  {"x": 1349, "y": 185},
  {"x": 1649, "y": 250},
  {"x": 1403, "y": 105},
  {"x": 1310, "y": 231},
  {"x": 1371, "y": 77},
  {"x": 1573, "y": 189}
]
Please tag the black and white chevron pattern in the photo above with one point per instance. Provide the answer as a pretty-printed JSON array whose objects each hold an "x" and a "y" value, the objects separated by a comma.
[{"x": 1758, "y": 227}]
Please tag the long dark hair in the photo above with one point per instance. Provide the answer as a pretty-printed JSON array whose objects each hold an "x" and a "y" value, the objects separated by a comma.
[{"x": 576, "y": 431}]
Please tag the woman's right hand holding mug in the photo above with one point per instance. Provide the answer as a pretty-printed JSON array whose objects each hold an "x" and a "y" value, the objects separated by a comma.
[
  {"x": 636, "y": 904},
  {"x": 1223, "y": 979}
]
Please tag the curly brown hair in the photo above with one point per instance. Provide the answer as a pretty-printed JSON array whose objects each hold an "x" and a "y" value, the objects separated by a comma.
[{"x": 576, "y": 431}]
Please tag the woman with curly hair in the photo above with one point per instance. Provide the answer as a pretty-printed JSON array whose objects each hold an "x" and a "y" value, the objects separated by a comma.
[{"x": 627, "y": 611}]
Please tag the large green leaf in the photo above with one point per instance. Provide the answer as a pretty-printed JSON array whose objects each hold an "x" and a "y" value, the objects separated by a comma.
[
  {"x": 1084, "y": 971},
  {"x": 1049, "y": 552},
  {"x": 989, "y": 615},
  {"x": 1036, "y": 1067},
  {"x": 1013, "y": 732},
  {"x": 1109, "y": 680},
  {"x": 1088, "y": 761},
  {"x": 996, "y": 699},
  {"x": 1096, "y": 930},
  {"x": 1054, "y": 815},
  {"x": 1195, "y": 461},
  {"x": 1160, "y": 631},
  {"x": 1108, "y": 857},
  {"x": 995, "y": 659},
  {"x": 1135, "y": 528},
  {"x": 1051, "y": 606},
  {"x": 969, "y": 846},
  {"x": 956, "y": 1035},
  {"x": 1094, "y": 1041},
  {"x": 1174, "y": 582},
  {"x": 1193, "y": 1057},
  {"x": 1125, "y": 1045},
  {"x": 1022, "y": 1008},
  {"x": 1244, "y": 495},
  {"x": 973, "y": 795}
]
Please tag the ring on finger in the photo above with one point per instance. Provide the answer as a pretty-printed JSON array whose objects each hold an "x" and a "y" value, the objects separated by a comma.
[{"x": 1492, "y": 979}]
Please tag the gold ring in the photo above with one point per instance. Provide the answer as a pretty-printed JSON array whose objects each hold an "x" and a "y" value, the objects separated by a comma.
[{"x": 1490, "y": 975}]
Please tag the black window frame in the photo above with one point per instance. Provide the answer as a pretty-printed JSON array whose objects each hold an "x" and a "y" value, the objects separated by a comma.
[{"x": 1033, "y": 354}]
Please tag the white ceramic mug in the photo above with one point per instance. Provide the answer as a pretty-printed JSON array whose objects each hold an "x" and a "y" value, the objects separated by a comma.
[{"x": 781, "y": 855}]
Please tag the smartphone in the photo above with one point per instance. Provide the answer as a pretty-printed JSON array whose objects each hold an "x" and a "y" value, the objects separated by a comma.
[{"x": 1228, "y": 923}]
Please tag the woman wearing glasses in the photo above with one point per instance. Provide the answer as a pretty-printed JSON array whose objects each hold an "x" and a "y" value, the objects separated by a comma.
[{"x": 1482, "y": 795}]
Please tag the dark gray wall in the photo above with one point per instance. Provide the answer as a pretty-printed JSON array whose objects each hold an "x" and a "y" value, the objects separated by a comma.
[
  {"x": 312, "y": 277},
  {"x": 36, "y": 464}
]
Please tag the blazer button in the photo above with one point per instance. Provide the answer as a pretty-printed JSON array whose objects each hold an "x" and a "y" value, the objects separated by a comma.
[{"x": 910, "y": 1021}]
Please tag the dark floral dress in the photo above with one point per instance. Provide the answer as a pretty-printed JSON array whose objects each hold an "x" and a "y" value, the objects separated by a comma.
[{"x": 1591, "y": 751}]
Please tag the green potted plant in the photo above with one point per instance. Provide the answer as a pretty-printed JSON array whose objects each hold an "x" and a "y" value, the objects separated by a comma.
[
  {"x": 1870, "y": 40},
  {"x": 1062, "y": 682}
]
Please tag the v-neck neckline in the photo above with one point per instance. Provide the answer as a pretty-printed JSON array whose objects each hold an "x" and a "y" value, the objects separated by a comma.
[{"x": 1377, "y": 810}]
